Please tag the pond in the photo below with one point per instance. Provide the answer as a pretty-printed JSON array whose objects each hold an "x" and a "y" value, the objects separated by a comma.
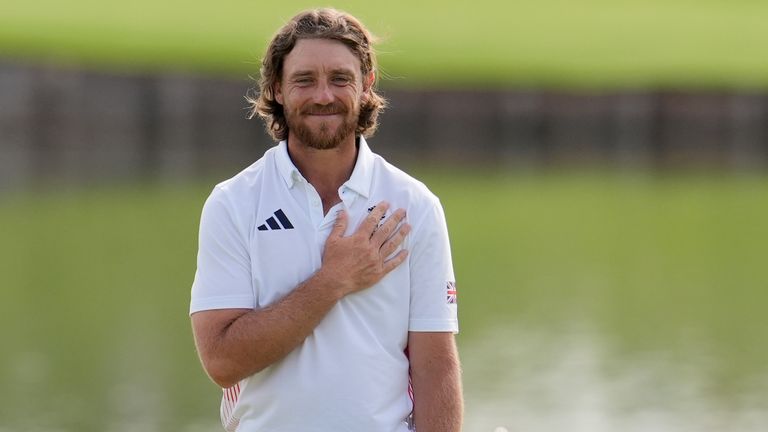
[{"x": 587, "y": 303}]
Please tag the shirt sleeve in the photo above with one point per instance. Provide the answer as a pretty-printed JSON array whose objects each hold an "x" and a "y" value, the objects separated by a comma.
[
  {"x": 433, "y": 286},
  {"x": 223, "y": 277}
]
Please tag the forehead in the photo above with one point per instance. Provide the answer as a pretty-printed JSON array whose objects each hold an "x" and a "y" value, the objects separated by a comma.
[{"x": 319, "y": 55}]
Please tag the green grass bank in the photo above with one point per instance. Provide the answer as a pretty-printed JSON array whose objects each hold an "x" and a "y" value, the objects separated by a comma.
[{"x": 551, "y": 43}]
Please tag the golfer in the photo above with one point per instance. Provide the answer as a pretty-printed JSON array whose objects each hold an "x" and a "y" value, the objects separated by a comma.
[{"x": 324, "y": 298}]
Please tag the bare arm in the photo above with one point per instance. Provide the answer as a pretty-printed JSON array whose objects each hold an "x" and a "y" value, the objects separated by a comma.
[
  {"x": 236, "y": 343},
  {"x": 436, "y": 378}
]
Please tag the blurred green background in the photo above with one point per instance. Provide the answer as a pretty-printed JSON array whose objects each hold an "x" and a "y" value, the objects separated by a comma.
[
  {"x": 593, "y": 43},
  {"x": 591, "y": 299}
]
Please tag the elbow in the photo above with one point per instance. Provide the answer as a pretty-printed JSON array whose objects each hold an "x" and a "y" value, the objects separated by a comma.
[
  {"x": 224, "y": 384},
  {"x": 222, "y": 380},
  {"x": 222, "y": 373},
  {"x": 226, "y": 374}
]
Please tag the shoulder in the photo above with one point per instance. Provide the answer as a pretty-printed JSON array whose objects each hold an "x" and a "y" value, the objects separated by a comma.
[
  {"x": 237, "y": 196},
  {"x": 390, "y": 180},
  {"x": 250, "y": 177}
]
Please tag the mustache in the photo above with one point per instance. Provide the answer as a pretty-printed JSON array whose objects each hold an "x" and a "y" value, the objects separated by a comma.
[{"x": 333, "y": 108}]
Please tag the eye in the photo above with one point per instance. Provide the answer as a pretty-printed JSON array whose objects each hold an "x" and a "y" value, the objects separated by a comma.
[
  {"x": 304, "y": 81},
  {"x": 341, "y": 80}
]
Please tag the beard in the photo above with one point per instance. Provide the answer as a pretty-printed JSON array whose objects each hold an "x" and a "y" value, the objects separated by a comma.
[{"x": 322, "y": 137}]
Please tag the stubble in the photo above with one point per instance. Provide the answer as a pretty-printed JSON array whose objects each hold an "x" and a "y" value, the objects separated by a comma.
[{"x": 321, "y": 137}]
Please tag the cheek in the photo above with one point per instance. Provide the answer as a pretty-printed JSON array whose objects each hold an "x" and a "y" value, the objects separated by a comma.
[
  {"x": 297, "y": 96},
  {"x": 292, "y": 95},
  {"x": 354, "y": 96}
]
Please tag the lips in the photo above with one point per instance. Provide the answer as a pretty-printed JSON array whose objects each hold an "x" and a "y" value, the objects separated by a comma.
[{"x": 324, "y": 110}]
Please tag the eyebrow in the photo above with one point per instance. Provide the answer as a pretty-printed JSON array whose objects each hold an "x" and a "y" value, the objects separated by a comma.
[
  {"x": 343, "y": 71},
  {"x": 305, "y": 73}
]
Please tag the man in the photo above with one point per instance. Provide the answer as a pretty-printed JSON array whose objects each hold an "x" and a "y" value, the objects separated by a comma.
[{"x": 316, "y": 306}]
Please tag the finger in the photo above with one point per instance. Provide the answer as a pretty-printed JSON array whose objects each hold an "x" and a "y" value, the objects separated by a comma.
[
  {"x": 372, "y": 220},
  {"x": 340, "y": 226},
  {"x": 388, "y": 227},
  {"x": 395, "y": 261},
  {"x": 391, "y": 245}
]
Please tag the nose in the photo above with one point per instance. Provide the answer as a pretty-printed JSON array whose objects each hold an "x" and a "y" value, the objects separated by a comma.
[{"x": 323, "y": 94}]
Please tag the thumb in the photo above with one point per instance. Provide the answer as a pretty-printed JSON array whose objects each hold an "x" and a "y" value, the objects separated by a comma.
[{"x": 340, "y": 226}]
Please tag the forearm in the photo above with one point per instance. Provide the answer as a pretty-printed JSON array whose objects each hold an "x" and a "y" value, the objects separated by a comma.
[
  {"x": 436, "y": 379},
  {"x": 438, "y": 402},
  {"x": 258, "y": 338}
]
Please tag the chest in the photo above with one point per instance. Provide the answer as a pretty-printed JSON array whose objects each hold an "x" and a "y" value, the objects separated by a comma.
[{"x": 286, "y": 248}]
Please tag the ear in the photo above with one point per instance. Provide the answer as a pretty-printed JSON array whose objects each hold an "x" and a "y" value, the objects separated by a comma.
[
  {"x": 277, "y": 91},
  {"x": 368, "y": 81}
]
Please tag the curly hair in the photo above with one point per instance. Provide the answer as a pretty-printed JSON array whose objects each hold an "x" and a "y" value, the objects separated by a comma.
[{"x": 324, "y": 23}]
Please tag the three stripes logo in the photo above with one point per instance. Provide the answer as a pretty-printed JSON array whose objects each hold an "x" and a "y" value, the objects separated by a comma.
[{"x": 276, "y": 222}]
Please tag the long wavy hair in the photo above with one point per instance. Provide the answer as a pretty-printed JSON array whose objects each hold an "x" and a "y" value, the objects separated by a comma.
[{"x": 324, "y": 23}]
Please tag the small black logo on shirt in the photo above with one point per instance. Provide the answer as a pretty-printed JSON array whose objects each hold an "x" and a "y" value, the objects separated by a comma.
[
  {"x": 370, "y": 209},
  {"x": 273, "y": 224}
]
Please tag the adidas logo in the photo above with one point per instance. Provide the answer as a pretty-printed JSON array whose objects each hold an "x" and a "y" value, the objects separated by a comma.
[{"x": 273, "y": 224}]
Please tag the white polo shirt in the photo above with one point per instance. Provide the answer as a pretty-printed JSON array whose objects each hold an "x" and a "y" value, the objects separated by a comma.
[{"x": 262, "y": 234}]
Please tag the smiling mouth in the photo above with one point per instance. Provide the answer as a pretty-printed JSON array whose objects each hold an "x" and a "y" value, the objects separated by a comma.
[
  {"x": 323, "y": 113},
  {"x": 324, "y": 110}
]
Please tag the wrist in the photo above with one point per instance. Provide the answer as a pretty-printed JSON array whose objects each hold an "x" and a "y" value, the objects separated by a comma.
[{"x": 330, "y": 284}]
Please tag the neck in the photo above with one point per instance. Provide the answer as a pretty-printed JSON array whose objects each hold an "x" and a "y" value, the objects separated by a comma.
[{"x": 325, "y": 170}]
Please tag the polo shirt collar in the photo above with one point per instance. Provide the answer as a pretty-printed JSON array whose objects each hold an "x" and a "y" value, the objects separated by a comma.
[
  {"x": 285, "y": 166},
  {"x": 359, "y": 181},
  {"x": 362, "y": 175}
]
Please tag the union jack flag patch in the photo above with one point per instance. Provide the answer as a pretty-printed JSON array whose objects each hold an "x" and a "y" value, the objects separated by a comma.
[{"x": 450, "y": 290}]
